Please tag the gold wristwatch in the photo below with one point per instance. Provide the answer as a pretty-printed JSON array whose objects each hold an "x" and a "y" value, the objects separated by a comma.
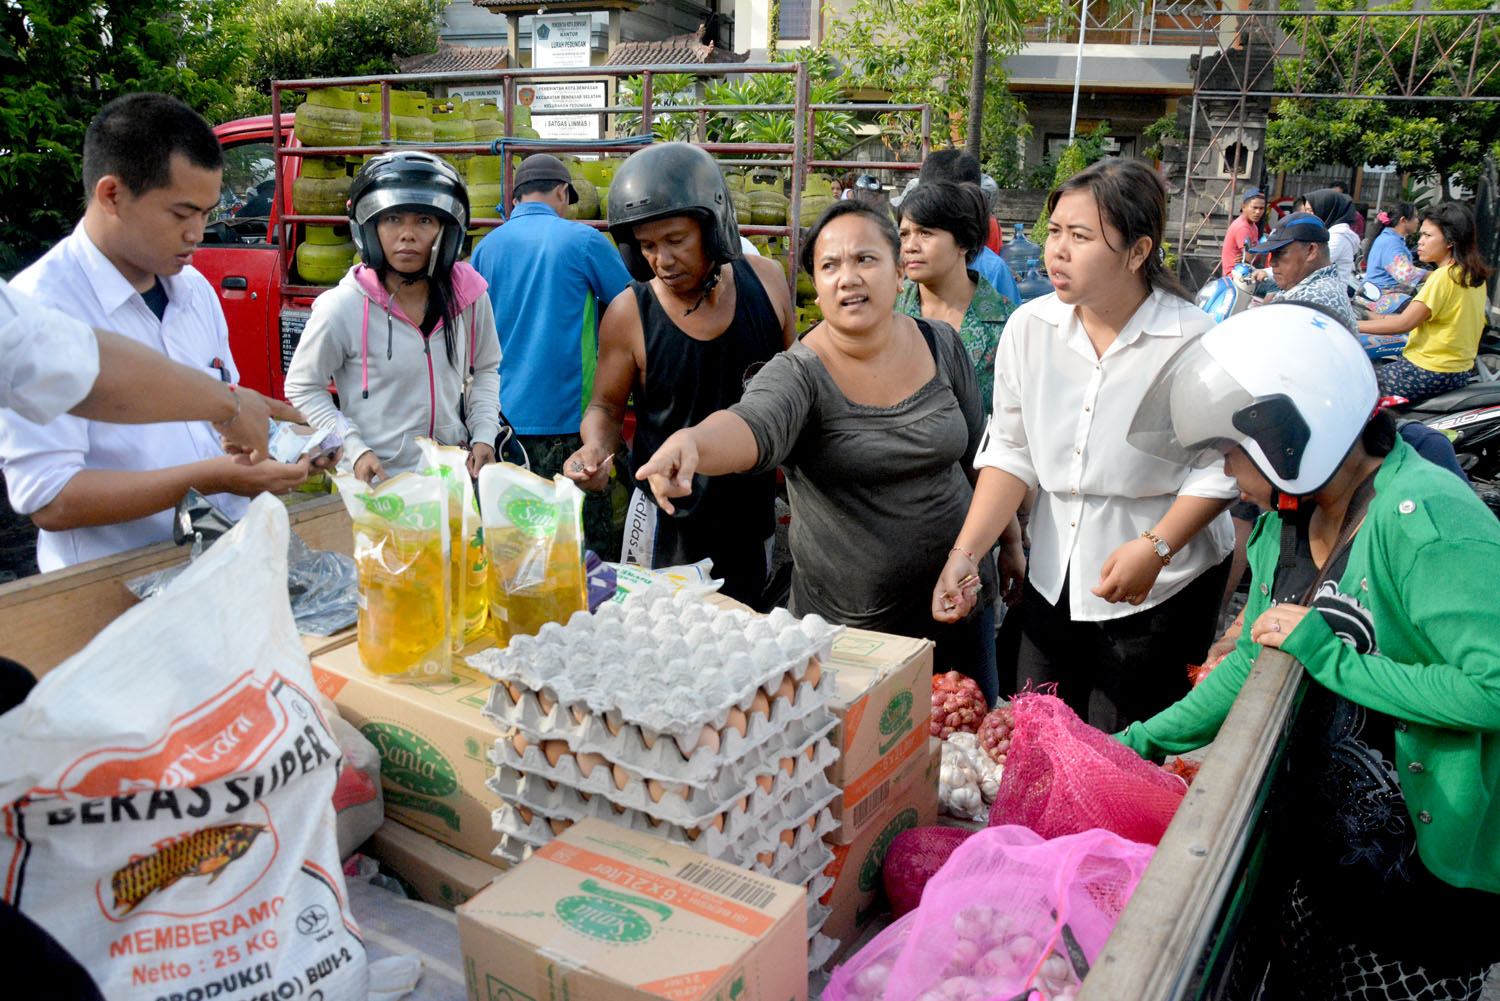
[{"x": 1163, "y": 551}]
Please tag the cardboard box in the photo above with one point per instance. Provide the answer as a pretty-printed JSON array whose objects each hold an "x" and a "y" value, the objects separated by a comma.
[
  {"x": 606, "y": 914},
  {"x": 858, "y": 893},
  {"x": 434, "y": 872},
  {"x": 315, "y": 645},
  {"x": 883, "y": 698},
  {"x": 433, "y": 740}
]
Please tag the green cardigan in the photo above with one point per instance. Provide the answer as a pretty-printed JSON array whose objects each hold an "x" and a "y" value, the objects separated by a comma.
[{"x": 1426, "y": 565}]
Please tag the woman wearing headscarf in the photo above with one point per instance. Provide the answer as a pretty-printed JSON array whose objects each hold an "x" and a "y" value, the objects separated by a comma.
[{"x": 1337, "y": 212}]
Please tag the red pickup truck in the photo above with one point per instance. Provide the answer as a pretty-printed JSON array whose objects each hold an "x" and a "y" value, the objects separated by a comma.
[{"x": 239, "y": 254}]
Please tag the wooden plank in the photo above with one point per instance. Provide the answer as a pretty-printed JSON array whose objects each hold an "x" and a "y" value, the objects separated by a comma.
[
  {"x": 1167, "y": 924},
  {"x": 47, "y": 618}
]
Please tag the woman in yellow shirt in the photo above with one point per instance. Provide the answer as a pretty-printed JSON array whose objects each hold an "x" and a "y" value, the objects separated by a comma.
[{"x": 1445, "y": 317}]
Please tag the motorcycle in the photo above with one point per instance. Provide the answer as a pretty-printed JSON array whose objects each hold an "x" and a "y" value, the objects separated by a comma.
[
  {"x": 1470, "y": 419},
  {"x": 1231, "y": 294}
]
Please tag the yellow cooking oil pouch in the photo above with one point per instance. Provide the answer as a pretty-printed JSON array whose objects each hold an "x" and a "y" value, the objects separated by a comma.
[
  {"x": 533, "y": 529},
  {"x": 468, "y": 578}
]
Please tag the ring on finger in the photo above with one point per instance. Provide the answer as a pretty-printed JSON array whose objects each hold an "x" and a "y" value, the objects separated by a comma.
[{"x": 1276, "y": 627}]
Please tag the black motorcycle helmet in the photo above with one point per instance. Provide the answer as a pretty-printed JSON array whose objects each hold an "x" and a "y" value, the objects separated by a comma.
[
  {"x": 672, "y": 179},
  {"x": 412, "y": 182}
]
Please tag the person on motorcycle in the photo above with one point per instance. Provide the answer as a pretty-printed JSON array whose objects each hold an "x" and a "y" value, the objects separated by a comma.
[
  {"x": 1338, "y": 214},
  {"x": 1388, "y": 264},
  {"x": 1301, "y": 266},
  {"x": 1376, "y": 571},
  {"x": 1248, "y": 227},
  {"x": 1445, "y": 318}
]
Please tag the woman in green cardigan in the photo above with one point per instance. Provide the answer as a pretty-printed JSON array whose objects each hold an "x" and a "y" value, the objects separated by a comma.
[{"x": 1380, "y": 572}]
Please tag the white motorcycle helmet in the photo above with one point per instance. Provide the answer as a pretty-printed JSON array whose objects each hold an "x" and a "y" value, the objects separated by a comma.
[{"x": 1286, "y": 382}]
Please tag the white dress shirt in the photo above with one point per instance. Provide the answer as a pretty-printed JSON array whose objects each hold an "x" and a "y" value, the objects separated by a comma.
[
  {"x": 1061, "y": 413},
  {"x": 39, "y": 460},
  {"x": 48, "y": 360}
]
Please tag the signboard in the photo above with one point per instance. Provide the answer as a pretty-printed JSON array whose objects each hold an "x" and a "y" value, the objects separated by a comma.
[
  {"x": 1389, "y": 168},
  {"x": 545, "y": 99},
  {"x": 496, "y": 94},
  {"x": 561, "y": 40}
]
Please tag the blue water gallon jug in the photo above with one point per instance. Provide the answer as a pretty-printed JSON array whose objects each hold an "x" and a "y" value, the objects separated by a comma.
[
  {"x": 1033, "y": 283},
  {"x": 1018, "y": 250}
]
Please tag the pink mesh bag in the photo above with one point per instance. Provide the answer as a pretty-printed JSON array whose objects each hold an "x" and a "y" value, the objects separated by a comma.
[
  {"x": 913, "y": 858},
  {"x": 1009, "y": 914},
  {"x": 1063, "y": 777}
]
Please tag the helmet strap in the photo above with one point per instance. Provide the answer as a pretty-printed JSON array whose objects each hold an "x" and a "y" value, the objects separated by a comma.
[{"x": 708, "y": 286}]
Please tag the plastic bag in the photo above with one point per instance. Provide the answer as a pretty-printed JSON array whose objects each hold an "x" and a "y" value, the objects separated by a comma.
[
  {"x": 913, "y": 859},
  {"x": 694, "y": 578},
  {"x": 321, "y": 584},
  {"x": 1063, "y": 776},
  {"x": 1009, "y": 913},
  {"x": 401, "y": 551},
  {"x": 358, "y": 803},
  {"x": 167, "y": 792},
  {"x": 468, "y": 583},
  {"x": 533, "y": 529}
]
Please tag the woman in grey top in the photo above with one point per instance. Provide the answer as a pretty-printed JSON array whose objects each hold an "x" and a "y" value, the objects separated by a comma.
[{"x": 875, "y": 418}]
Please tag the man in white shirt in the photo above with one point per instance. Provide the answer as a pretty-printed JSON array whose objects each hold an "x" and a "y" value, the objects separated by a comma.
[{"x": 151, "y": 171}]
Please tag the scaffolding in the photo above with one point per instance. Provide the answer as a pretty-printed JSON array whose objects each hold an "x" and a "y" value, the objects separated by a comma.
[{"x": 1248, "y": 58}]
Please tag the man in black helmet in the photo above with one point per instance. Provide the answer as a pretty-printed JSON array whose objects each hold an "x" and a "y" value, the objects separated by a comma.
[{"x": 697, "y": 323}]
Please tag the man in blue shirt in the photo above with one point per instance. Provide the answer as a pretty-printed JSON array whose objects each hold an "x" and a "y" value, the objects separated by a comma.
[{"x": 548, "y": 277}]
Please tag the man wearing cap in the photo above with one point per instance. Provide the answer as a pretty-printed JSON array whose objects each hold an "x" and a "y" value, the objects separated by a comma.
[
  {"x": 1301, "y": 267},
  {"x": 550, "y": 279},
  {"x": 1248, "y": 227}
]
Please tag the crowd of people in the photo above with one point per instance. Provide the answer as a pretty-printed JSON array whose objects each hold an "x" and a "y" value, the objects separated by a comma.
[{"x": 1088, "y": 460}]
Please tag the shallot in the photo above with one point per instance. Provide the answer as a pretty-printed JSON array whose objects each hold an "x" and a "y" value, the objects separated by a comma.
[
  {"x": 957, "y": 705},
  {"x": 995, "y": 732}
]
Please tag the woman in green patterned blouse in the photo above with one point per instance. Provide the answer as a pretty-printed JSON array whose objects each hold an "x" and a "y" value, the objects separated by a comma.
[{"x": 943, "y": 228}]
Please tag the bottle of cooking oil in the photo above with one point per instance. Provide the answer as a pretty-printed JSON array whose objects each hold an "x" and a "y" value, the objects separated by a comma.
[
  {"x": 533, "y": 532},
  {"x": 469, "y": 576},
  {"x": 401, "y": 552}
]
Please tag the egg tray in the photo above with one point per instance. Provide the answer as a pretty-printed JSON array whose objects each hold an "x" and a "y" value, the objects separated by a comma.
[
  {"x": 670, "y": 663},
  {"x": 695, "y": 809},
  {"x": 645, "y": 752},
  {"x": 820, "y": 949},
  {"x": 801, "y": 863},
  {"x": 744, "y": 836}
]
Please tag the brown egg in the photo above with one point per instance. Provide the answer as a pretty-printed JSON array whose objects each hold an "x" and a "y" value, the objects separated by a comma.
[
  {"x": 558, "y": 826},
  {"x": 765, "y": 782},
  {"x": 743, "y": 804},
  {"x": 812, "y": 751},
  {"x": 519, "y": 743},
  {"x": 545, "y": 702},
  {"x": 787, "y": 689},
  {"x": 766, "y": 859},
  {"x": 649, "y": 739},
  {"x": 761, "y": 704},
  {"x": 515, "y": 693},
  {"x": 814, "y": 672},
  {"x": 709, "y": 738},
  {"x": 613, "y": 725},
  {"x": 789, "y": 836},
  {"x": 736, "y": 721},
  {"x": 587, "y": 762},
  {"x": 578, "y": 715},
  {"x": 655, "y": 790},
  {"x": 554, "y": 749},
  {"x": 622, "y": 777},
  {"x": 525, "y": 813},
  {"x": 789, "y": 765}
]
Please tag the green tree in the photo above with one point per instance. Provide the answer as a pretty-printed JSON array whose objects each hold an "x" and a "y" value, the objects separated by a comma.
[
  {"x": 60, "y": 62},
  {"x": 298, "y": 39},
  {"x": 1081, "y": 152},
  {"x": 925, "y": 53},
  {"x": 1448, "y": 141}
]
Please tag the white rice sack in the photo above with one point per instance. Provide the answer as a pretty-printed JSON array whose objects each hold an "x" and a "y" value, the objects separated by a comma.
[{"x": 166, "y": 794}]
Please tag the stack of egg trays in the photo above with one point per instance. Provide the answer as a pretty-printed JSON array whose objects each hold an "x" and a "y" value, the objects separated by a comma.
[{"x": 567, "y": 685}]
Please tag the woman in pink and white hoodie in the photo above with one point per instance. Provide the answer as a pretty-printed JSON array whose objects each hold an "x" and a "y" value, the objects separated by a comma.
[{"x": 408, "y": 335}]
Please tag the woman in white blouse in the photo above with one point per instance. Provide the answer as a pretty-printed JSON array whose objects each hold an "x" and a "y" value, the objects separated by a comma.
[{"x": 1129, "y": 552}]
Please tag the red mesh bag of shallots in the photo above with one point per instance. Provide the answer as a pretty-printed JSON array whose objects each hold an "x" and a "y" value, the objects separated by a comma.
[
  {"x": 1064, "y": 777},
  {"x": 912, "y": 860}
]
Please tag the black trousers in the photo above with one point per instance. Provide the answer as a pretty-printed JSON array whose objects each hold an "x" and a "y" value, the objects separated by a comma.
[{"x": 1115, "y": 672}]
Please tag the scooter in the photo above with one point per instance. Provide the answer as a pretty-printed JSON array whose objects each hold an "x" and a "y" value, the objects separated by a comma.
[
  {"x": 1470, "y": 418},
  {"x": 1231, "y": 294}
]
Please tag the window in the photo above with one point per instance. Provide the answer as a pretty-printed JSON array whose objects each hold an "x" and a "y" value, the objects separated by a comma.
[
  {"x": 796, "y": 19},
  {"x": 1231, "y": 152}
]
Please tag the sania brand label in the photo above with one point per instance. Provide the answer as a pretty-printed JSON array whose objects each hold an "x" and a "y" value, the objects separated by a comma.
[
  {"x": 528, "y": 512},
  {"x": 410, "y": 761}
]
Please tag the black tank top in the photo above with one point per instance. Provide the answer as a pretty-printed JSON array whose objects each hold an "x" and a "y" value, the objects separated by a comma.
[{"x": 688, "y": 379}]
